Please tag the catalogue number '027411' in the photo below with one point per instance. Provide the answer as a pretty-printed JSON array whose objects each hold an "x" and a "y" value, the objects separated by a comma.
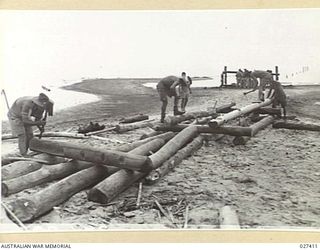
[{"x": 305, "y": 246}]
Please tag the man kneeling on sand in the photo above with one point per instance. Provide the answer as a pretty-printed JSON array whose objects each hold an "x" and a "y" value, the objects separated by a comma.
[
  {"x": 27, "y": 112},
  {"x": 167, "y": 88},
  {"x": 279, "y": 97}
]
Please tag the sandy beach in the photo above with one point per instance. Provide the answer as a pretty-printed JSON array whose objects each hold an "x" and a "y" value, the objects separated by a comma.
[{"x": 272, "y": 181}]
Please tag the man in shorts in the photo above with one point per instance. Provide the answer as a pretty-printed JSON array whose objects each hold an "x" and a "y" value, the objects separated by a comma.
[
  {"x": 167, "y": 88},
  {"x": 279, "y": 96},
  {"x": 184, "y": 93},
  {"x": 26, "y": 112}
]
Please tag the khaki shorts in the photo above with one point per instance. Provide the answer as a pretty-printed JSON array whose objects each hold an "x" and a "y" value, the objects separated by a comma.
[
  {"x": 164, "y": 93},
  {"x": 18, "y": 127}
]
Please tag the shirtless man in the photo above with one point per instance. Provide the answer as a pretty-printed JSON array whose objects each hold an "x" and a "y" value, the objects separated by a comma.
[
  {"x": 279, "y": 96},
  {"x": 184, "y": 93},
  {"x": 265, "y": 78},
  {"x": 167, "y": 88}
]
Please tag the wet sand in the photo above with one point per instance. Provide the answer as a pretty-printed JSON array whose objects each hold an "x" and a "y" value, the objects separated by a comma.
[{"x": 272, "y": 181}]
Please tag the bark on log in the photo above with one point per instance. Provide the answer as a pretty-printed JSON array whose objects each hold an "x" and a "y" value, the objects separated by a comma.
[
  {"x": 175, "y": 160},
  {"x": 128, "y": 147},
  {"x": 172, "y": 146},
  {"x": 121, "y": 128},
  {"x": 255, "y": 128},
  {"x": 172, "y": 120},
  {"x": 19, "y": 168},
  {"x": 135, "y": 118},
  {"x": 237, "y": 113},
  {"x": 297, "y": 126},
  {"x": 228, "y": 218},
  {"x": 269, "y": 111},
  {"x": 92, "y": 154},
  {"x": 50, "y": 134},
  {"x": 112, "y": 186},
  {"x": 230, "y": 130},
  {"x": 46, "y": 174},
  {"x": 37, "y": 204},
  {"x": 51, "y": 159},
  {"x": 151, "y": 134}
]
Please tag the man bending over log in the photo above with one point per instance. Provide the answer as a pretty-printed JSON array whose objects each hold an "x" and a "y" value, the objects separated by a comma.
[
  {"x": 279, "y": 97},
  {"x": 167, "y": 88},
  {"x": 26, "y": 112},
  {"x": 265, "y": 78}
]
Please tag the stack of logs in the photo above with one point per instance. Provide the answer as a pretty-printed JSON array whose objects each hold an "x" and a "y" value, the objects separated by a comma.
[{"x": 109, "y": 172}]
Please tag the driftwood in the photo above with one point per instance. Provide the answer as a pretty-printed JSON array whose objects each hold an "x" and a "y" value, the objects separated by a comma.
[
  {"x": 175, "y": 160},
  {"x": 255, "y": 128},
  {"x": 112, "y": 186},
  {"x": 46, "y": 174},
  {"x": 297, "y": 126},
  {"x": 121, "y": 128},
  {"x": 19, "y": 168},
  {"x": 228, "y": 218},
  {"x": 172, "y": 146},
  {"x": 92, "y": 154},
  {"x": 228, "y": 130},
  {"x": 237, "y": 113},
  {"x": 135, "y": 118},
  {"x": 128, "y": 147},
  {"x": 30, "y": 207},
  {"x": 172, "y": 120}
]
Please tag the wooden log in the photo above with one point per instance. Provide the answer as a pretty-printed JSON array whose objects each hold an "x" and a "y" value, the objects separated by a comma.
[
  {"x": 128, "y": 147},
  {"x": 255, "y": 128},
  {"x": 172, "y": 146},
  {"x": 297, "y": 126},
  {"x": 12, "y": 159},
  {"x": 228, "y": 218},
  {"x": 230, "y": 130},
  {"x": 112, "y": 186},
  {"x": 172, "y": 120},
  {"x": 269, "y": 111},
  {"x": 49, "y": 134},
  {"x": 237, "y": 113},
  {"x": 46, "y": 174},
  {"x": 121, "y": 128},
  {"x": 135, "y": 118},
  {"x": 19, "y": 168},
  {"x": 151, "y": 134},
  {"x": 92, "y": 154},
  {"x": 101, "y": 131},
  {"x": 31, "y": 207},
  {"x": 174, "y": 161},
  {"x": 51, "y": 159}
]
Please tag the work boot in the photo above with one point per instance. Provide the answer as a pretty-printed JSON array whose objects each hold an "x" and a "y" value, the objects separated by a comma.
[
  {"x": 162, "y": 118},
  {"x": 176, "y": 111}
]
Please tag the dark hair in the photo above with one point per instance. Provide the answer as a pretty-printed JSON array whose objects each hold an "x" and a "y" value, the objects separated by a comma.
[{"x": 183, "y": 73}]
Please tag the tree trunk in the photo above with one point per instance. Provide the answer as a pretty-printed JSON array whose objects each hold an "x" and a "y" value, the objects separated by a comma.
[
  {"x": 19, "y": 168},
  {"x": 174, "y": 161},
  {"x": 269, "y": 111},
  {"x": 255, "y": 128},
  {"x": 49, "y": 134},
  {"x": 135, "y": 118},
  {"x": 237, "y": 113},
  {"x": 230, "y": 130},
  {"x": 37, "y": 204},
  {"x": 121, "y": 128},
  {"x": 46, "y": 174},
  {"x": 173, "y": 120},
  {"x": 228, "y": 218},
  {"x": 112, "y": 186},
  {"x": 173, "y": 146},
  {"x": 297, "y": 126},
  {"x": 128, "y": 147},
  {"x": 92, "y": 154}
]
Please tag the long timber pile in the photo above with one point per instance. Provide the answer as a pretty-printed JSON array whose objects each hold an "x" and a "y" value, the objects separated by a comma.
[{"x": 109, "y": 172}]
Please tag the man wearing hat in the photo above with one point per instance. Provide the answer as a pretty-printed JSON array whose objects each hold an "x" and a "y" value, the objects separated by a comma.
[{"x": 27, "y": 112}]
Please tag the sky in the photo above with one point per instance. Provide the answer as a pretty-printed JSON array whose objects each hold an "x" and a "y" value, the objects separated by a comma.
[{"x": 47, "y": 47}]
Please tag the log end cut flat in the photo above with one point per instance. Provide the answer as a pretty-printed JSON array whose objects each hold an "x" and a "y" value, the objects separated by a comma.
[{"x": 24, "y": 209}]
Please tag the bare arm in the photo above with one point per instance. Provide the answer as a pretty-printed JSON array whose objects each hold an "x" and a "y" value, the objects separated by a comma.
[
  {"x": 175, "y": 84},
  {"x": 26, "y": 116}
]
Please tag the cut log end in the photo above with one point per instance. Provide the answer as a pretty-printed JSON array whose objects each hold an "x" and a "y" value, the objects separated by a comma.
[
  {"x": 4, "y": 189},
  {"x": 24, "y": 209},
  {"x": 96, "y": 195},
  {"x": 213, "y": 124}
]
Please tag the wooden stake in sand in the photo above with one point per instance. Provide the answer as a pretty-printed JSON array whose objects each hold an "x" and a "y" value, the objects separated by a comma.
[
  {"x": 228, "y": 218},
  {"x": 92, "y": 154},
  {"x": 237, "y": 113}
]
